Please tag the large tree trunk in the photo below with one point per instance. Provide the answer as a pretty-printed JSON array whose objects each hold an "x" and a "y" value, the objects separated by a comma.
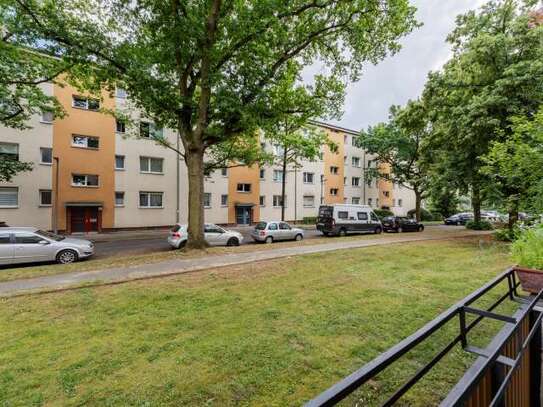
[
  {"x": 476, "y": 203},
  {"x": 418, "y": 200},
  {"x": 284, "y": 184},
  {"x": 513, "y": 212},
  {"x": 194, "y": 159}
]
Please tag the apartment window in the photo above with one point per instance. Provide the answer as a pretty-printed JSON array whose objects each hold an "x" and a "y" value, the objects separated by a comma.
[
  {"x": 79, "y": 180},
  {"x": 151, "y": 199},
  {"x": 119, "y": 198},
  {"x": 46, "y": 155},
  {"x": 345, "y": 139},
  {"x": 278, "y": 150},
  {"x": 47, "y": 116},
  {"x": 333, "y": 191},
  {"x": 345, "y": 200},
  {"x": 393, "y": 202},
  {"x": 120, "y": 93},
  {"x": 244, "y": 187},
  {"x": 278, "y": 201},
  {"x": 355, "y": 181},
  {"x": 356, "y": 161},
  {"x": 207, "y": 200},
  {"x": 80, "y": 102},
  {"x": 386, "y": 193},
  {"x": 120, "y": 126},
  {"x": 370, "y": 201},
  {"x": 224, "y": 200},
  {"x": 46, "y": 198},
  {"x": 9, "y": 151},
  {"x": 85, "y": 141},
  {"x": 262, "y": 173},
  {"x": 9, "y": 197},
  {"x": 400, "y": 203},
  {"x": 151, "y": 165},
  {"x": 262, "y": 200},
  {"x": 149, "y": 130},
  {"x": 119, "y": 162},
  {"x": 278, "y": 175},
  {"x": 334, "y": 170},
  {"x": 344, "y": 180},
  {"x": 309, "y": 201},
  {"x": 309, "y": 178},
  {"x": 345, "y": 159},
  {"x": 356, "y": 200},
  {"x": 224, "y": 172},
  {"x": 377, "y": 202}
]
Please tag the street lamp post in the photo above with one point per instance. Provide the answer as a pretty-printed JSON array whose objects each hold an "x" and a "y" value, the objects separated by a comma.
[{"x": 55, "y": 206}]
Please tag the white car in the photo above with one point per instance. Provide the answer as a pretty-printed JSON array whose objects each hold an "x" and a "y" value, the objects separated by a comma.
[
  {"x": 274, "y": 231},
  {"x": 27, "y": 245},
  {"x": 214, "y": 235}
]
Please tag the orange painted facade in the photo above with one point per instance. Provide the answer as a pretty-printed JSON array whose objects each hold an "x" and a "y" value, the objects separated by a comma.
[
  {"x": 386, "y": 192},
  {"x": 243, "y": 175},
  {"x": 334, "y": 159}
]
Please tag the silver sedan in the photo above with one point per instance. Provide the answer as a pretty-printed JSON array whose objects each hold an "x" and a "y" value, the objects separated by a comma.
[
  {"x": 270, "y": 232},
  {"x": 214, "y": 235},
  {"x": 27, "y": 245}
]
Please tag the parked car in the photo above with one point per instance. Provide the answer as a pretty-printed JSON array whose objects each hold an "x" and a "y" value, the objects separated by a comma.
[
  {"x": 459, "y": 219},
  {"x": 273, "y": 231},
  {"x": 28, "y": 245},
  {"x": 214, "y": 235},
  {"x": 341, "y": 219},
  {"x": 401, "y": 224}
]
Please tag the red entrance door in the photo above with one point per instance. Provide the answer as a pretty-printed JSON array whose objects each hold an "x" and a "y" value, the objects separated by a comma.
[{"x": 84, "y": 219}]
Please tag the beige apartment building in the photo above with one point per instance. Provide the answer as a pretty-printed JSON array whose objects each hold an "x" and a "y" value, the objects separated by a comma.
[{"x": 110, "y": 177}]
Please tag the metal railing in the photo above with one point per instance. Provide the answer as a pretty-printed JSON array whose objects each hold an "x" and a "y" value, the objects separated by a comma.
[{"x": 519, "y": 340}]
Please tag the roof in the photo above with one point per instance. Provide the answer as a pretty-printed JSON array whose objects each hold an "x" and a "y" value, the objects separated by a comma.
[
  {"x": 334, "y": 127},
  {"x": 18, "y": 229}
]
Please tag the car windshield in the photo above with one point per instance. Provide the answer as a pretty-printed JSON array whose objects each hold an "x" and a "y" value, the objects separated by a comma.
[
  {"x": 50, "y": 235},
  {"x": 260, "y": 226}
]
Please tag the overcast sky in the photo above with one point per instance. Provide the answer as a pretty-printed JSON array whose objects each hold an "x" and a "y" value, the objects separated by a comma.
[{"x": 401, "y": 77}]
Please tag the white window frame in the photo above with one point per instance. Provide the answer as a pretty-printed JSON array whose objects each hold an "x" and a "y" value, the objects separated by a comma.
[
  {"x": 124, "y": 162},
  {"x": 262, "y": 173},
  {"x": 86, "y": 185},
  {"x": 357, "y": 184},
  {"x": 44, "y": 119},
  {"x": 334, "y": 170},
  {"x": 400, "y": 202},
  {"x": 207, "y": 197},
  {"x": 12, "y": 191},
  {"x": 86, "y": 106},
  {"x": 278, "y": 175},
  {"x": 41, "y": 200},
  {"x": 262, "y": 200},
  {"x": 149, "y": 166},
  {"x": 306, "y": 176},
  {"x": 149, "y": 193},
  {"x": 224, "y": 172},
  {"x": 224, "y": 200},
  {"x": 123, "y": 124},
  {"x": 357, "y": 160},
  {"x": 86, "y": 144},
  {"x": 278, "y": 197},
  {"x": 335, "y": 193},
  {"x": 243, "y": 189},
  {"x": 355, "y": 200},
  {"x": 312, "y": 205},
  {"x": 16, "y": 146},
  {"x": 119, "y": 205},
  {"x": 41, "y": 156}
]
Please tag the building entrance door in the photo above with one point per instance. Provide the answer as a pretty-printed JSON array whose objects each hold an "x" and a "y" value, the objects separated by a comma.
[
  {"x": 84, "y": 219},
  {"x": 244, "y": 215}
]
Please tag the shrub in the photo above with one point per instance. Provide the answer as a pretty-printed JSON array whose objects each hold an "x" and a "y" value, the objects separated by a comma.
[
  {"x": 309, "y": 220},
  {"x": 528, "y": 248},
  {"x": 383, "y": 213},
  {"x": 425, "y": 215},
  {"x": 482, "y": 225},
  {"x": 506, "y": 235}
]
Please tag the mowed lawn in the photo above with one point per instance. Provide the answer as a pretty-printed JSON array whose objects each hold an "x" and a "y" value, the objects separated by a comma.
[{"x": 275, "y": 333}]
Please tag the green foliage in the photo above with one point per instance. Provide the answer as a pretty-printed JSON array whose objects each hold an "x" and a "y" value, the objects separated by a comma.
[
  {"x": 383, "y": 213},
  {"x": 507, "y": 234},
  {"x": 309, "y": 220},
  {"x": 10, "y": 168},
  {"x": 527, "y": 250},
  {"x": 425, "y": 215},
  {"x": 481, "y": 225}
]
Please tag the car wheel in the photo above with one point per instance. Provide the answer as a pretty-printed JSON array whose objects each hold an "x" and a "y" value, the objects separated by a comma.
[
  {"x": 298, "y": 237},
  {"x": 399, "y": 230},
  {"x": 67, "y": 256},
  {"x": 325, "y": 233},
  {"x": 421, "y": 228},
  {"x": 232, "y": 242},
  {"x": 378, "y": 230},
  {"x": 182, "y": 244},
  {"x": 269, "y": 240},
  {"x": 342, "y": 232}
]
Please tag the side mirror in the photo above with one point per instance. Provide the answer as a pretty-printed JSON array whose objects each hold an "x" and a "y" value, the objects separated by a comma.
[{"x": 43, "y": 242}]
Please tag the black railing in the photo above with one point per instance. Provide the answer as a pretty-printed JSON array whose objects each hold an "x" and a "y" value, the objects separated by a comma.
[{"x": 489, "y": 358}]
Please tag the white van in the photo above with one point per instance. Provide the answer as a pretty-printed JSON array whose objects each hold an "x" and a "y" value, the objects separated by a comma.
[{"x": 340, "y": 219}]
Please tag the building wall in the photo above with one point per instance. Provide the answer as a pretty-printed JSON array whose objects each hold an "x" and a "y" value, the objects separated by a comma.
[
  {"x": 245, "y": 175},
  {"x": 334, "y": 159}
]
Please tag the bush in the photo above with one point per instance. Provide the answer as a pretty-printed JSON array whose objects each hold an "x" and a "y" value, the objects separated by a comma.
[
  {"x": 425, "y": 215},
  {"x": 528, "y": 248},
  {"x": 506, "y": 235},
  {"x": 383, "y": 213},
  {"x": 482, "y": 225},
  {"x": 309, "y": 220}
]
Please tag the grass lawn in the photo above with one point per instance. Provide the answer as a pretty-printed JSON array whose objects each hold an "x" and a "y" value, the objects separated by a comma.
[{"x": 273, "y": 333}]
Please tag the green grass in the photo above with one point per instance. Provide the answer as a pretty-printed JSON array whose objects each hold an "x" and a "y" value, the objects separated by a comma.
[{"x": 274, "y": 333}]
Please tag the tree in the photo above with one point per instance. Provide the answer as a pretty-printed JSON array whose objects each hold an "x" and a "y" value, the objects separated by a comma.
[
  {"x": 495, "y": 73},
  {"x": 399, "y": 144},
  {"x": 207, "y": 67}
]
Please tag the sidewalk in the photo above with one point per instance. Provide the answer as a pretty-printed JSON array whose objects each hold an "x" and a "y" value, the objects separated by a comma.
[{"x": 172, "y": 267}]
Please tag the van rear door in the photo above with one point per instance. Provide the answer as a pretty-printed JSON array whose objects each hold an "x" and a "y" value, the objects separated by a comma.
[{"x": 325, "y": 219}]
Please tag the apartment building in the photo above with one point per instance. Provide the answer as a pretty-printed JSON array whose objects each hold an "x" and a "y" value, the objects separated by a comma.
[{"x": 92, "y": 174}]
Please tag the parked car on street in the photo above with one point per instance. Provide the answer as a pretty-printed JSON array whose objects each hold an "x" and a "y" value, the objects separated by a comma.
[
  {"x": 341, "y": 219},
  {"x": 28, "y": 245},
  {"x": 459, "y": 219},
  {"x": 401, "y": 224},
  {"x": 273, "y": 231},
  {"x": 214, "y": 235}
]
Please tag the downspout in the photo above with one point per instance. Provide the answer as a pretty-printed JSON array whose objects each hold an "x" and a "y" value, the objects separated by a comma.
[{"x": 178, "y": 179}]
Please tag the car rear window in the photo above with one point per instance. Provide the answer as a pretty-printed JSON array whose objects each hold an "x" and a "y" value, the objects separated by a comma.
[
  {"x": 260, "y": 226},
  {"x": 326, "y": 211},
  {"x": 176, "y": 228}
]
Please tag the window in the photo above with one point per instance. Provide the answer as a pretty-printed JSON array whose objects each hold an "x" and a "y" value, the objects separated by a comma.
[
  {"x": 28, "y": 238},
  {"x": 345, "y": 139},
  {"x": 46, "y": 198},
  {"x": 119, "y": 198},
  {"x": 284, "y": 226},
  {"x": 309, "y": 178},
  {"x": 9, "y": 151},
  {"x": 277, "y": 201},
  {"x": 374, "y": 217},
  {"x": 393, "y": 202},
  {"x": 362, "y": 216},
  {"x": 151, "y": 199},
  {"x": 262, "y": 200},
  {"x": 149, "y": 130},
  {"x": 356, "y": 162},
  {"x": 343, "y": 215},
  {"x": 278, "y": 150},
  {"x": 47, "y": 116},
  {"x": 334, "y": 170},
  {"x": 309, "y": 201},
  {"x": 120, "y": 126},
  {"x": 355, "y": 200},
  {"x": 400, "y": 203},
  {"x": 207, "y": 200},
  {"x": 355, "y": 181},
  {"x": 370, "y": 201},
  {"x": 9, "y": 197},
  {"x": 151, "y": 165},
  {"x": 333, "y": 191},
  {"x": 46, "y": 155},
  {"x": 272, "y": 226},
  {"x": 79, "y": 180},
  {"x": 386, "y": 193},
  {"x": 80, "y": 102},
  {"x": 4, "y": 238},
  {"x": 224, "y": 172},
  {"x": 278, "y": 175},
  {"x": 345, "y": 159},
  {"x": 85, "y": 141},
  {"x": 344, "y": 180},
  {"x": 120, "y": 93},
  {"x": 244, "y": 187},
  {"x": 377, "y": 202},
  {"x": 262, "y": 173},
  {"x": 224, "y": 200},
  {"x": 119, "y": 162}
]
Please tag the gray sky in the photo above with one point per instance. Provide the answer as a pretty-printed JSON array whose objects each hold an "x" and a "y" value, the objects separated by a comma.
[{"x": 401, "y": 77}]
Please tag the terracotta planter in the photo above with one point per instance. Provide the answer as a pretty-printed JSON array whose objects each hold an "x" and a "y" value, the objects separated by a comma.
[{"x": 531, "y": 280}]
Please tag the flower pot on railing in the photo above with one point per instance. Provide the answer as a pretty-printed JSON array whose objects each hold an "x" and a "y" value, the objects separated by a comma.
[{"x": 531, "y": 280}]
